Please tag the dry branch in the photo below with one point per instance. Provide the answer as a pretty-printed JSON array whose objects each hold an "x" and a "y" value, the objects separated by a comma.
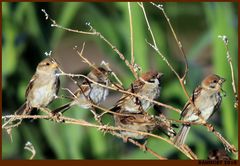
[
  {"x": 225, "y": 40},
  {"x": 109, "y": 129}
]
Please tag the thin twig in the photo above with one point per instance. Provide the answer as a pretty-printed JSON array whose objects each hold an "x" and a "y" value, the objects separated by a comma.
[
  {"x": 226, "y": 144},
  {"x": 30, "y": 147},
  {"x": 131, "y": 33},
  {"x": 54, "y": 24},
  {"x": 181, "y": 79},
  {"x": 93, "y": 32},
  {"x": 96, "y": 106},
  {"x": 68, "y": 120},
  {"x": 85, "y": 60},
  {"x": 226, "y": 41},
  {"x": 131, "y": 67},
  {"x": 125, "y": 92},
  {"x": 176, "y": 39},
  {"x": 140, "y": 146},
  {"x": 112, "y": 73}
]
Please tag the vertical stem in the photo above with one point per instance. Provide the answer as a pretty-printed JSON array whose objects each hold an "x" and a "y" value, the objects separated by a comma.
[{"x": 131, "y": 33}]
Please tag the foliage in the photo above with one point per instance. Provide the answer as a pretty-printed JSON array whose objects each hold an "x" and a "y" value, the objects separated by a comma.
[{"x": 26, "y": 35}]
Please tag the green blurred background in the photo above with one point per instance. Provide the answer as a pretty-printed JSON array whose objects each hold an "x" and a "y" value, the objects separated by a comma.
[{"x": 26, "y": 36}]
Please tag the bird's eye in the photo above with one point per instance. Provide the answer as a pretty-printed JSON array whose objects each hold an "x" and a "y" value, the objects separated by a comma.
[
  {"x": 47, "y": 64},
  {"x": 215, "y": 81}
]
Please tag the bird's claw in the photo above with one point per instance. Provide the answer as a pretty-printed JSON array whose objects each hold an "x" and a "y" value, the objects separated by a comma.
[
  {"x": 104, "y": 129},
  {"x": 57, "y": 117}
]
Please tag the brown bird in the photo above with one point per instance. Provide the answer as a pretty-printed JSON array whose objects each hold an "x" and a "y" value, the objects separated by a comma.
[
  {"x": 207, "y": 99},
  {"x": 89, "y": 92},
  {"x": 42, "y": 88},
  {"x": 147, "y": 85},
  {"x": 142, "y": 123},
  {"x": 218, "y": 154}
]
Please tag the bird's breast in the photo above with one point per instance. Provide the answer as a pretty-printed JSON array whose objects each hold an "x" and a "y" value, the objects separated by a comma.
[{"x": 42, "y": 95}]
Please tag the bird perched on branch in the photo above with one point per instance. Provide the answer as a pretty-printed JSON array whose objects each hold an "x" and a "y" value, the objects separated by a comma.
[
  {"x": 88, "y": 92},
  {"x": 142, "y": 123},
  {"x": 207, "y": 99},
  {"x": 147, "y": 85},
  {"x": 43, "y": 87}
]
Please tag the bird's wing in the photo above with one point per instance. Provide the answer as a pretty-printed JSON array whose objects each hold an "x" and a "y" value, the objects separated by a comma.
[
  {"x": 196, "y": 93},
  {"x": 57, "y": 85},
  {"x": 30, "y": 84},
  {"x": 82, "y": 89},
  {"x": 217, "y": 106},
  {"x": 137, "y": 120}
]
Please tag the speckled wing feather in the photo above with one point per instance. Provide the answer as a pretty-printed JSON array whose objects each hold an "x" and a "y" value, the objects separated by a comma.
[
  {"x": 196, "y": 93},
  {"x": 30, "y": 84},
  {"x": 135, "y": 88},
  {"x": 84, "y": 88},
  {"x": 138, "y": 119},
  {"x": 57, "y": 85},
  {"x": 217, "y": 106}
]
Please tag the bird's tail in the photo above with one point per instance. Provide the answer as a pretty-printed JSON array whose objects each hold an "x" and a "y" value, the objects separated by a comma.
[
  {"x": 182, "y": 135},
  {"x": 62, "y": 109},
  {"x": 23, "y": 110},
  {"x": 164, "y": 125}
]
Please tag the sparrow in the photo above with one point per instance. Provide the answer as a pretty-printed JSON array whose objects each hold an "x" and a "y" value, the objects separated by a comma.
[
  {"x": 89, "y": 92},
  {"x": 207, "y": 99},
  {"x": 147, "y": 85},
  {"x": 143, "y": 123},
  {"x": 42, "y": 88},
  {"x": 218, "y": 154}
]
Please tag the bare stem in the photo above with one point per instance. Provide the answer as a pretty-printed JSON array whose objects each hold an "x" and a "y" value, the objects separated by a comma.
[
  {"x": 226, "y": 144},
  {"x": 140, "y": 146},
  {"x": 114, "y": 75},
  {"x": 176, "y": 39},
  {"x": 81, "y": 122},
  {"x": 93, "y": 32},
  {"x": 131, "y": 33},
  {"x": 225, "y": 40},
  {"x": 181, "y": 79},
  {"x": 30, "y": 147},
  {"x": 85, "y": 60}
]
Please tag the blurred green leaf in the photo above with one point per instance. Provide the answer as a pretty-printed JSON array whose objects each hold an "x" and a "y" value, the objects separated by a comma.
[
  {"x": 53, "y": 133},
  {"x": 10, "y": 148},
  {"x": 98, "y": 140},
  {"x": 67, "y": 16}
]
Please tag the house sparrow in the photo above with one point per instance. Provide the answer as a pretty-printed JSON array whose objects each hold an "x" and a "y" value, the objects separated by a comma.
[
  {"x": 147, "y": 85},
  {"x": 218, "y": 154},
  {"x": 142, "y": 123},
  {"x": 89, "y": 92},
  {"x": 42, "y": 88},
  {"x": 207, "y": 99}
]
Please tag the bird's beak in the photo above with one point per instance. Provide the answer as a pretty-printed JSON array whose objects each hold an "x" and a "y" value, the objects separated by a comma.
[
  {"x": 54, "y": 65},
  {"x": 160, "y": 75},
  {"x": 222, "y": 80}
]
